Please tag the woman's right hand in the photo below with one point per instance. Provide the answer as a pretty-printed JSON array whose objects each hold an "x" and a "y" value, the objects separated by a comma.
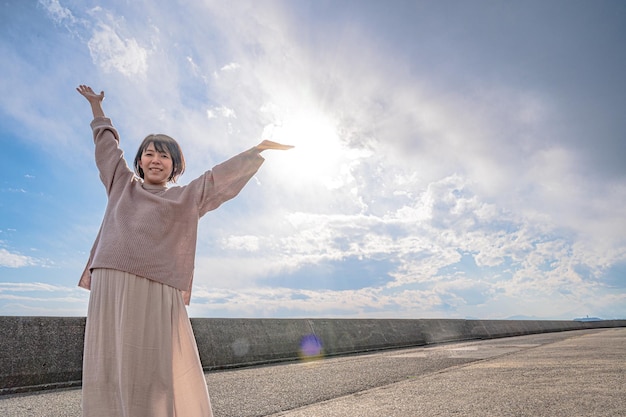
[{"x": 89, "y": 94}]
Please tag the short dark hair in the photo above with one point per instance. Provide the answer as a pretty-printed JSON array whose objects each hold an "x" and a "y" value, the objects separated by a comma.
[{"x": 162, "y": 143}]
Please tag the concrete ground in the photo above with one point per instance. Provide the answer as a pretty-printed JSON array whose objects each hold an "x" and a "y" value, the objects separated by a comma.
[{"x": 577, "y": 373}]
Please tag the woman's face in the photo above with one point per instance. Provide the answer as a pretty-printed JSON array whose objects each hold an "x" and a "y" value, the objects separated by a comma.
[{"x": 156, "y": 166}]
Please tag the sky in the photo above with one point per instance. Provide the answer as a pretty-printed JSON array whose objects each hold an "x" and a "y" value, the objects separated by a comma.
[{"x": 453, "y": 159}]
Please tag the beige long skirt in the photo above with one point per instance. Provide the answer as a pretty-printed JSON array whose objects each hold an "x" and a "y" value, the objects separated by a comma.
[{"x": 140, "y": 356}]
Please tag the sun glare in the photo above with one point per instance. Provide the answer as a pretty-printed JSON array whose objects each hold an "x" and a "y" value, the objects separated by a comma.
[{"x": 318, "y": 156}]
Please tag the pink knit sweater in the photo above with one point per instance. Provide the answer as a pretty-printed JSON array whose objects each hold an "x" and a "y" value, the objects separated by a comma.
[{"x": 151, "y": 231}]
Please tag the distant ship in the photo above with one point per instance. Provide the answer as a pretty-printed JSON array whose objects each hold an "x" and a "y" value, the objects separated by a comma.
[{"x": 588, "y": 319}]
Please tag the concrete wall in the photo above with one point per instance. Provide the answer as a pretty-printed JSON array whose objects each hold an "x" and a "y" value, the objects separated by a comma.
[
  {"x": 38, "y": 352},
  {"x": 46, "y": 352}
]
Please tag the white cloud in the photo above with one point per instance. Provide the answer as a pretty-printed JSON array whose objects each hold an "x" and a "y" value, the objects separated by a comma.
[
  {"x": 112, "y": 52},
  {"x": 42, "y": 299},
  {"x": 57, "y": 12},
  {"x": 230, "y": 67},
  {"x": 247, "y": 243},
  {"x": 29, "y": 287},
  {"x": 15, "y": 260},
  {"x": 221, "y": 111},
  {"x": 515, "y": 257}
]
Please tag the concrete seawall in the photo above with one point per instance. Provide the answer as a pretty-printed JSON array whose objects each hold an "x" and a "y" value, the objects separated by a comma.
[{"x": 46, "y": 352}]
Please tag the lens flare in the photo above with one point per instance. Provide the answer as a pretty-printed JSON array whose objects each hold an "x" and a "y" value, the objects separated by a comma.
[{"x": 311, "y": 348}]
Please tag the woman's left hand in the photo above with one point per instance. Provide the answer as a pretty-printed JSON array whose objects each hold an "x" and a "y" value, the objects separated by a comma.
[{"x": 268, "y": 144}]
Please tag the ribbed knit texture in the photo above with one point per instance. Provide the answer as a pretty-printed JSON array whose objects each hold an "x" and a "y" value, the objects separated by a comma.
[{"x": 152, "y": 231}]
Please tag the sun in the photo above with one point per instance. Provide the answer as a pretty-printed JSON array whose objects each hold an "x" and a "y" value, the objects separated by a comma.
[{"x": 318, "y": 157}]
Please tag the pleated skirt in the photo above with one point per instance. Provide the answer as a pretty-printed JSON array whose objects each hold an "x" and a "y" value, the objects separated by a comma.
[{"x": 140, "y": 357}]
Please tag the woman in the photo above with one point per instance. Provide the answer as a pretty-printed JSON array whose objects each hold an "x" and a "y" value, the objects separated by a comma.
[{"x": 140, "y": 356}]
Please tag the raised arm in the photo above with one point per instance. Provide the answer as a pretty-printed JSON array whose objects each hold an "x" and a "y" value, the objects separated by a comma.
[
  {"x": 95, "y": 100},
  {"x": 268, "y": 144}
]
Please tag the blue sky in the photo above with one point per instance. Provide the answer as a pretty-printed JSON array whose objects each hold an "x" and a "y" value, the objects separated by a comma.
[{"x": 453, "y": 159}]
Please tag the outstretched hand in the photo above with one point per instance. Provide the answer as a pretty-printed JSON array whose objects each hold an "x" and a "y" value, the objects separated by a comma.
[
  {"x": 89, "y": 94},
  {"x": 268, "y": 144},
  {"x": 95, "y": 100}
]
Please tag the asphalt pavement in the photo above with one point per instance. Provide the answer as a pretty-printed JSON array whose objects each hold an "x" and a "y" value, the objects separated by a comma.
[{"x": 574, "y": 373}]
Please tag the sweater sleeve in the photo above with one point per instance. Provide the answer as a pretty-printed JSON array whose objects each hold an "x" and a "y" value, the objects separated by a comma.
[
  {"x": 109, "y": 157},
  {"x": 227, "y": 179}
]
